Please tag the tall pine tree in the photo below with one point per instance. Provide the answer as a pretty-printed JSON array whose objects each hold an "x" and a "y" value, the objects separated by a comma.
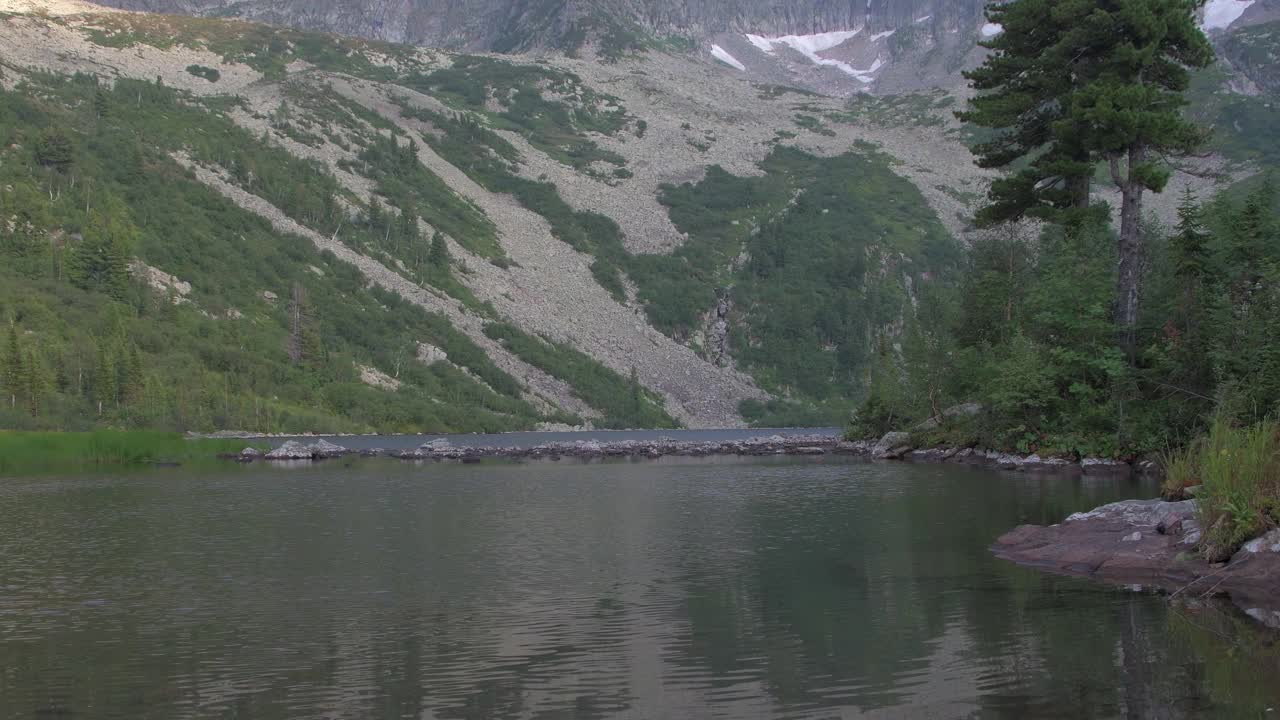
[
  {"x": 1129, "y": 109},
  {"x": 1071, "y": 83},
  {"x": 12, "y": 369}
]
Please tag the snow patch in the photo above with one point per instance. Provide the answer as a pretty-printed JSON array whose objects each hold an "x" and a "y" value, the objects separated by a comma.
[
  {"x": 1219, "y": 14},
  {"x": 882, "y": 35},
  {"x": 991, "y": 30},
  {"x": 811, "y": 45},
  {"x": 807, "y": 45},
  {"x": 926, "y": 18},
  {"x": 723, "y": 56}
]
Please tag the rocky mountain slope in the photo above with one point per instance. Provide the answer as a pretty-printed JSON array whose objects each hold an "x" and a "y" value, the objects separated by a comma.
[
  {"x": 735, "y": 249},
  {"x": 886, "y": 46}
]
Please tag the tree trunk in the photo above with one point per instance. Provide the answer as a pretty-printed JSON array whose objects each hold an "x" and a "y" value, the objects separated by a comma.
[
  {"x": 1079, "y": 188},
  {"x": 1129, "y": 279}
]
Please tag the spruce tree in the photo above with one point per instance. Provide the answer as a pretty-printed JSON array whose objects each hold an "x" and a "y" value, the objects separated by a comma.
[
  {"x": 55, "y": 150},
  {"x": 1189, "y": 248},
  {"x": 36, "y": 382},
  {"x": 101, "y": 260},
  {"x": 131, "y": 380},
  {"x": 13, "y": 370},
  {"x": 439, "y": 254},
  {"x": 102, "y": 104},
  {"x": 105, "y": 389}
]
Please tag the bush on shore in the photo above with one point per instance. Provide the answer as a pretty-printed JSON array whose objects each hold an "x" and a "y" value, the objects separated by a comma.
[{"x": 1238, "y": 471}]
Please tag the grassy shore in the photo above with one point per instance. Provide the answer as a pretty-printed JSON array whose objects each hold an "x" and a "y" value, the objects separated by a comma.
[
  {"x": 24, "y": 453},
  {"x": 1238, "y": 471}
]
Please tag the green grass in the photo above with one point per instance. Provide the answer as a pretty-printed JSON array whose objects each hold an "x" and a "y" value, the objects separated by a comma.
[
  {"x": 623, "y": 402},
  {"x": 23, "y": 453},
  {"x": 1238, "y": 471}
]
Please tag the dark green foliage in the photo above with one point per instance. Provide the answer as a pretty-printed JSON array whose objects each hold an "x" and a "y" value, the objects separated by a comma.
[
  {"x": 1034, "y": 340},
  {"x": 100, "y": 261},
  {"x": 54, "y": 149},
  {"x": 99, "y": 348},
  {"x": 1025, "y": 92},
  {"x": 830, "y": 241},
  {"x": 531, "y": 98},
  {"x": 439, "y": 254},
  {"x": 208, "y": 73},
  {"x": 405, "y": 181},
  {"x": 624, "y": 403}
]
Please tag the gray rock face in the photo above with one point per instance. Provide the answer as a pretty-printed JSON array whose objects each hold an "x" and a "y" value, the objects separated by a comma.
[
  {"x": 506, "y": 25},
  {"x": 294, "y": 450},
  {"x": 291, "y": 450},
  {"x": 892, "y": 445}
]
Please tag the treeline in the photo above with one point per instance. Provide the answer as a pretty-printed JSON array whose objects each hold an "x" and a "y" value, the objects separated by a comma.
[
  {"x": 1078, "y": 339},
  {"x": 1029, "y": 333}
]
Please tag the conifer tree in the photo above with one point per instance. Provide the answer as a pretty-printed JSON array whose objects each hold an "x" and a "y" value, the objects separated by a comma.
[
  {"x": 1189, "y": 248},
  {"x": 408, "y": 230},
  {"x": 304, "y": 344},
  {"x": 55, "y": 150},
  {"x": 439, "y": 254},
  {"x": 1130, "y": 112},
  {"x": 102, "y": 104},
  {"x": 1071, "y": 83},
  {"x": 104, "y": 378},
  {"x": 12, "y": 368},
  {"x": 637, "y": 395},
  {"x": 36, "y": 382},
  {"x": 101, "y": 260},
  {"x": 1025, "y": 87},
  {"x": 131, "y": 379}
]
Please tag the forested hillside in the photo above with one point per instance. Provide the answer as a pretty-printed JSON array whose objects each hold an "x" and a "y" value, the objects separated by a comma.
[
  {"x": 219, "y": 224},
  {"x": 215, "y": 224},
  {"x": 248, "y": 327}
]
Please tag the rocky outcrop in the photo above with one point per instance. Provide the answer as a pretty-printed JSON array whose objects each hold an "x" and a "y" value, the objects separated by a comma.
[
  {"x": 506, "y": 25},
  {"x": 294, "y": 450},
  {"x": 1151, "y": 543},
  {"x": 892, "y": 446}
]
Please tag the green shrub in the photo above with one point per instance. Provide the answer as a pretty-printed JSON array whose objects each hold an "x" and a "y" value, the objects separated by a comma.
[
  {"x": 208, "y": 73},
  {"x": 1238, "y": 469}
]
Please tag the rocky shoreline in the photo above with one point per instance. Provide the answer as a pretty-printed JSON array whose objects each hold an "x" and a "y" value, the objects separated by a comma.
[
  {"x": 892, "y": 447},
  {"x": 1151, "y": 543}
]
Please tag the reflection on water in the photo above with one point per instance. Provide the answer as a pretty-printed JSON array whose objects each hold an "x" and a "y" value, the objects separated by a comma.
[{"x": 762, "y": 588}]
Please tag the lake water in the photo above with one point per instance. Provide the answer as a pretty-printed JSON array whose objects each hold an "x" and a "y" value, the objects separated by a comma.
[{"x": 715, "y": 588}]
